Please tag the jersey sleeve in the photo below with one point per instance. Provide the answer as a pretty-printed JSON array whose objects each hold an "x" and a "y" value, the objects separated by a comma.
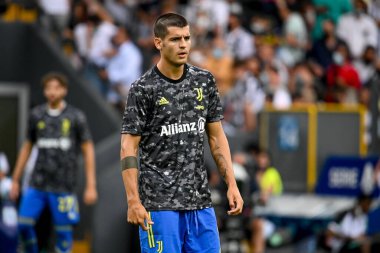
[
  {"x": 136, "y": 111},
  {"x": 83, "y": 131},
  {"x": 214, "y": 112}
]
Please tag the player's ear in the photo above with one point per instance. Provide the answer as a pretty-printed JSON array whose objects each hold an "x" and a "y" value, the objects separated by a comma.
[{"x": 158, "y": 43}]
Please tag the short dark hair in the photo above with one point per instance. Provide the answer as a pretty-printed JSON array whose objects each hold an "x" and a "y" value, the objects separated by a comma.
[
  {"x": 166, "y": 20},
  {"x": 55, "y": 76},
  {"x": 361, "y": 197}
]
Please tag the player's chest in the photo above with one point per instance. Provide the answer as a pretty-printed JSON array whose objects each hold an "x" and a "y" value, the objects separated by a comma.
[
  {"x": 186, "y": 100},
  {"x": 54, "y": 126}
]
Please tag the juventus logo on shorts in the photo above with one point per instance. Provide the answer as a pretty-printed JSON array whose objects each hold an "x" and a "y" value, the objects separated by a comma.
[{"x": 160, "y": 247}]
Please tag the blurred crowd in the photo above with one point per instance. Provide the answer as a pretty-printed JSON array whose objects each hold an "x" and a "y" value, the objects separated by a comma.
[{"x": 283, "y": 52}]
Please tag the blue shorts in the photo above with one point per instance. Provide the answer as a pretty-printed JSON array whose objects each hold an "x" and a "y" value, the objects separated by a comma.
[
  {"x": 63, "y": 207},
  {"x": 181, "y": 232}
]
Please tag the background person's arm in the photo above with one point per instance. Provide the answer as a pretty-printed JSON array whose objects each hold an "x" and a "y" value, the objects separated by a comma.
[
  {"x": 19, "y": 169},
  {"x": 137, "y": 213},
  {"x": 221, "y": 153},
  {"x": 90, "y": 194}
]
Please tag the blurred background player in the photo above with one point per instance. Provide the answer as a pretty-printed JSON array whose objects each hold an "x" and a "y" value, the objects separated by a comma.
[{"x": 58, "y": 130}]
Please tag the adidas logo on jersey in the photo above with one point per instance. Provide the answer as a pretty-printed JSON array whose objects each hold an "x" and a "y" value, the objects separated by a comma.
[
  {"x": 176, "y": 128},
  {"x": 163, "y": 101}
]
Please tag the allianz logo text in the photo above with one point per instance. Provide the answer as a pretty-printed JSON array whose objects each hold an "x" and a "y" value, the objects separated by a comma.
[
  {"x": 62, "y": 143},
  {"x": 177, "y": 128}
]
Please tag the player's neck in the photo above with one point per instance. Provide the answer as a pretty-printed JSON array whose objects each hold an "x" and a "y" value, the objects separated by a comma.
[
  {"x": 56, "y": 108},
  {"x": 170, "y": 71}
]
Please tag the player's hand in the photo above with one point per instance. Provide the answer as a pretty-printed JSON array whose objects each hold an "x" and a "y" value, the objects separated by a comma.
[
  {"x": 90, "y": 196},
  {"x": 138, "y": 215},
  {"x": 235, "y": 201},
  {"x": 15, "y": 190}
]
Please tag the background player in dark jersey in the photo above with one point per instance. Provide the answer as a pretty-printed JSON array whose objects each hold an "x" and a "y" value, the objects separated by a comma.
[
  {"x": 59, "y": 131},
  {"x": 168, "y": 111}
]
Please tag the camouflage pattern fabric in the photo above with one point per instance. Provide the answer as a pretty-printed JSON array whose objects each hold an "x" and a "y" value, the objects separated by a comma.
[{"x": 170, "y": 116}]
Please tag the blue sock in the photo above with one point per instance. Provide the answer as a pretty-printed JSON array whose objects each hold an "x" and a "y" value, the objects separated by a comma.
[
  {"x": 64, "y": 241},
  {"x": 28, "y": 235}
]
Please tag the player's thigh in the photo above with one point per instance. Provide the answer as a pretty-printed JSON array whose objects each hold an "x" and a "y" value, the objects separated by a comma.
[
  {"x": 64, "y": 208},
  {"x": 31, "y": 205},
  {"x": 164, "y": 236},
  {"x": 203, "y": 236}
]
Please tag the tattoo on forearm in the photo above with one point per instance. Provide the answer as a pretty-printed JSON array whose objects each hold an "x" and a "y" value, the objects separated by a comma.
[{"x": 221, "y": 162}]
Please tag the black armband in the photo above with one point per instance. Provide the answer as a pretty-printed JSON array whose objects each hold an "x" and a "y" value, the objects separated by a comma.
[{"x": 128, "y": 162}]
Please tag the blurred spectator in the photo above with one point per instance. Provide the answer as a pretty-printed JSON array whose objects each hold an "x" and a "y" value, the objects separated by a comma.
[
  {"x": 220, "y": 62},
  {"x": 254, "y": 68},
  {"x": 263, "y": 29},
  {"x": 124, "y": 67},
  {"x": 100, "y": 42},
  {"x": 266, "y": 54},
  {"x": 270, "y": 184},
  {"x": 202, "y": 27},
  {"x": 208, "y": 16},
  {"x": 347, "y": 234},
  {"x": 275, "y": 89},
  {"x": 303, "y": 85},
  {"x": 343, "y": 81},
  {"x": 327, "y": 9},
  {"x": 242, "y": 103},
  {"x": 235, "y": 6},
  {"x": 247, "y": 158},
  {"x": 79, "y": 13},
  {"x": 70, "y": 44},
  {"x": 167, "y": 6},
  {"x": 358, "y": 29},
  {"x": 82, "y": 29},
  {"x": 292, "y": 50},
  {"x": 240, "y": 42},
  {"x": 120, "y": 10},
  {"x": 96, "y": 39},
  {"x": 374, "y": 12},
  {"x": 143, "y": 30},
  {"x": 365, "y": 65},
  {"x": 55, "y": 17},
  {"x": 321, "y": 53}
]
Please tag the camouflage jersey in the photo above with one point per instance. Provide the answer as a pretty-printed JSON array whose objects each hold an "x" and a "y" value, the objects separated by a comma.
[
  {"x": 58, "y": 140},
  {"x": 170, "y": 116}
]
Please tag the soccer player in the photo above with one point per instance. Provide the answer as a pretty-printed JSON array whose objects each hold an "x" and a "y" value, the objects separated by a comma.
[
  {"x": 59, "y": 131},
  {"x": 168, "y": 111}
]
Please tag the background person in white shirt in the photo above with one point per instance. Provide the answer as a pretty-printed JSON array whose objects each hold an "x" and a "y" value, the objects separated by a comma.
[
  {"x": 358, "y": 29},
  {"x": 124, "y": 67},
  {"x": 347, "y": 234}
]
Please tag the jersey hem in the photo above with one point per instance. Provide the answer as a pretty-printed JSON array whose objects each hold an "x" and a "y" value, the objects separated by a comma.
[{"x": 179, "y": 209}]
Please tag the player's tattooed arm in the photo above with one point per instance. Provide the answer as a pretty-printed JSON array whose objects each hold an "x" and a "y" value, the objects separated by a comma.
[
  {"x": 220, "y": 151},
  {"x": 220, "y": 160},
  {"x": 222, "y": 156}
]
